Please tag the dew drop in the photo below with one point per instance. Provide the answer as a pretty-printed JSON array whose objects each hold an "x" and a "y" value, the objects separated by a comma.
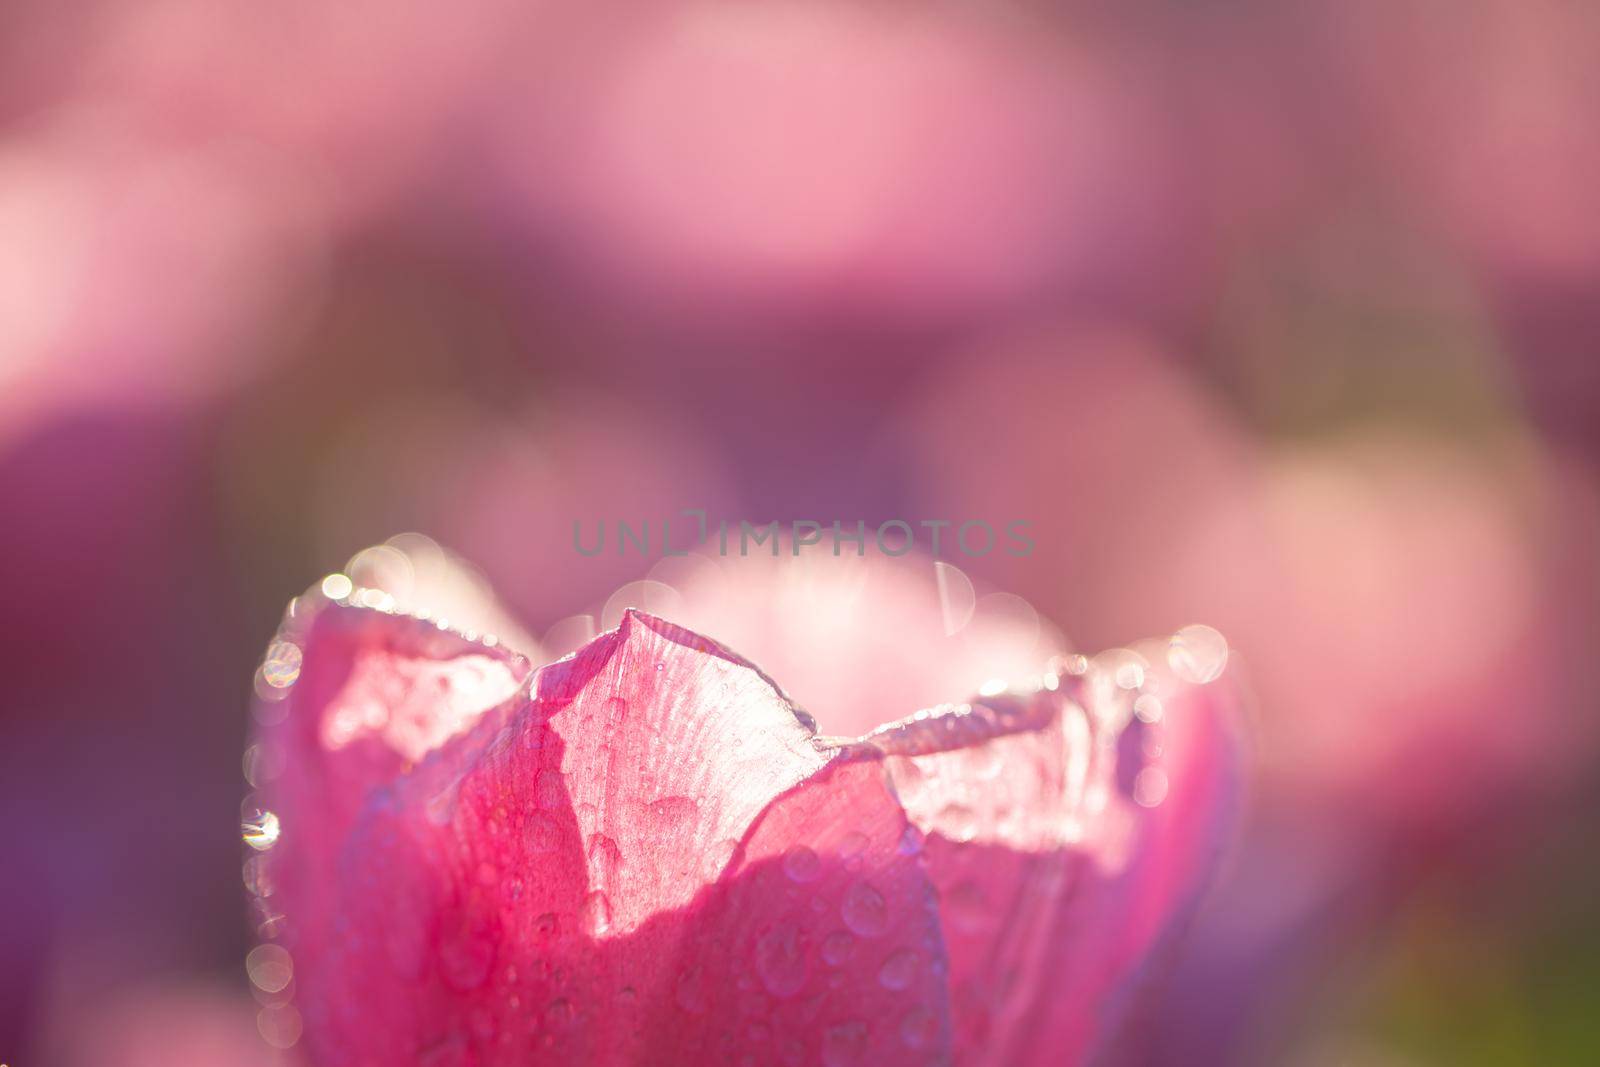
[
  {"x": 1150, "y": 787},
  {"x": 596, "y": 914},
  {"x": 842, "y": 1044},
  {"x": 270, "y": 968},
  {"x": 542, "y": 833},
  {"x": 691, "y": 992},
  {"x": 559, "y": 1013},
  {"x": 282, "y": 665},
  {"x": 781, "y": 960},
  {"x": 899, "y": 970},
  {"x": 917, "y": 1027},
  {"x": 257, "y": 879},
  {"x": 337, "y": 586},
  {"x": 467, "y": 953},
  {"x": 279, "y": 1025},
  {"x": 838, "y": 947},
  {"x": 864, "y": 910},
  {"x": 260, "y": 830},
  {"x": 852, "y": 845},
  {"x": 1197, "y": 654},
  {"x": 801, "y": 864},
  {"x": 549, "y": 791},
  {"x": 1148, "y": 708},
  {"x": 675, "y": 809}
]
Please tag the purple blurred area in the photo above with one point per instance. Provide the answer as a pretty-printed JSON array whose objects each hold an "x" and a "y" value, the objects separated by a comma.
[{"x": 1281, "y": 317}]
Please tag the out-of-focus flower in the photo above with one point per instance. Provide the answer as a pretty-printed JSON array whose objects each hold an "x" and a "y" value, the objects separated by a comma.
[
  {"x": 159, "y": 1025},
  {"x": 1396, "y": 593},
  {"x": 645, "y": 853},
  {"x": 836, "y": 160},
  {"x": 139, "y": 273}
]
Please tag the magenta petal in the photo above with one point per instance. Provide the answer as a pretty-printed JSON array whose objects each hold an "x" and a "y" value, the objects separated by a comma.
[
  {"x": 604, "y": 867},
  {"x": 1066, "y": 837},
  {"x": 1152, "y": 853}
]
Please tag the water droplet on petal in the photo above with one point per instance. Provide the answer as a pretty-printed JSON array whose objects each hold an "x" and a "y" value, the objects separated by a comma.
[
  {"x": 838, "y": 947},
  {"x": 801, "y": 864},
  {"x": 691, "y": 991},
  {"x": 899, "y": 970},
  {"x": 852, "y": 844},
  {"x": 282, "y": 664},
  {"x": 1197, "y": 654},
  {"x": 260, "y": 830},
  {"x": 675, "y": 809},
  {"x": 843, "y": 1044},
  {"x": 864, "y": 910},
  {"x": 337, "y": 586},
  {"x": 781, "y": 960},
  {"x": 279, "y": 1025},
  {"x": 1150, "y": 787},
  {"x": 1148, "y": 708},
  {"x": 917, "y": 1027},
  {"x": 559, "y": 1013},
  {"x": 467, "y": 951},
  {"x": 542, "y": 833},
  {"x": 596, "y": 914},
  {"x": 270, "y": 968}
]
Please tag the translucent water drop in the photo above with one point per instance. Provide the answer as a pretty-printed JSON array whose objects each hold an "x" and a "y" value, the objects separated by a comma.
[
  {"x": 337, "y": 586},
  {"x": 691, "y": 992},
  {"x": 467, "y": 955},
  {"x": 864, "y": 910},
  {"x": 596, "y": 914},
  {"x": 838, "y": 947},
  {"x": 781, "y": 960},
  {"x": 605, "y": 860},
  {"x": 542, "y": 833},
  {"x": 270, "y": 968},
  {"x": 260, "y": 830},
  {"x": 917, "y": 1027},
  {"x": 801, "y": 864},
  {"x": 1150, "y": 787},
  {"x": 282, "y": 665},
  {"x": 1197, "y": 654},
  {"x": 852, "y": 845},
  {"x": 899, "y": 970},
  {"x": 1148, "y": 708},
  {"x": 257, "y": 879},
  {"x": 843, "y": 1044},
  {"x": 677, "y": 809},
  {"x": 279, "y": 1025},
  {"x": 559, "y": 1013}
]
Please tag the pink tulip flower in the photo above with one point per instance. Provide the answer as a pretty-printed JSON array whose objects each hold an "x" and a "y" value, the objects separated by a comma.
[{"x": 645, "y": 853}]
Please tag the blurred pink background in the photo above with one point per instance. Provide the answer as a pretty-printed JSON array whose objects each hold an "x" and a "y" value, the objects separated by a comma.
[{"x": 1284, "y": 318}]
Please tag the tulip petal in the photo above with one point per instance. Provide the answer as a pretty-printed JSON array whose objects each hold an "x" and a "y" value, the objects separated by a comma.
[
  {"x": 1065, "y": 841},
  {"x": 598, "y": 868}
]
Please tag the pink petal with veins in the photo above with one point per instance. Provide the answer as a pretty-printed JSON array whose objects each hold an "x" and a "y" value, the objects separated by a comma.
[{"x": 641, "y": 854}]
